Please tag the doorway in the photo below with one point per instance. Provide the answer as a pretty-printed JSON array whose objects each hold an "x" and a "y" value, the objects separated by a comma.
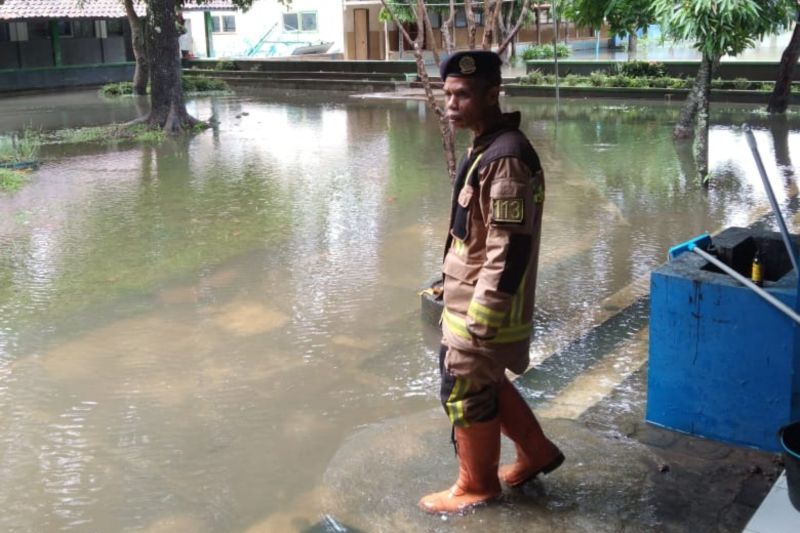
[{"x": 362, "y": 33}]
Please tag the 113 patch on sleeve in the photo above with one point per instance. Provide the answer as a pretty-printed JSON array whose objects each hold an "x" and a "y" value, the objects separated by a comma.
[{"x": 508, "y": 210}]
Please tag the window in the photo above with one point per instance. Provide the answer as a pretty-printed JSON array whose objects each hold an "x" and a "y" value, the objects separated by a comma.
[
  {"x": 65, "y": 28},
  {"x": 223, "y": 24},
  {"x": 306, "y": 21},
  {"x": 461, "y": 18},
  {"x": 83, "y": 28},
  {"x": 18, "y": 31},
  {"x": 291, "y": 22},
  {"x": 38, "y": 29},
  {"x": 114, "y": 27},
  {"x": 436, "y": 19},
  {"x": 5, "y": 32}
]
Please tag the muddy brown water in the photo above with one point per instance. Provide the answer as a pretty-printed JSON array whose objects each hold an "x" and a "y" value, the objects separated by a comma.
[{"x": 190, "y": 331}]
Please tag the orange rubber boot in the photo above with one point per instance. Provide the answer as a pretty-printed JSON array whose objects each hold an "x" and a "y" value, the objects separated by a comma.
[
  {"x": 535, "y": 453},
  {"x": 478, "y": 457}
]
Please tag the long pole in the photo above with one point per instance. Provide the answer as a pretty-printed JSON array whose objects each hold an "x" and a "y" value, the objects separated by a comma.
[
  {"x": 787, "y": 239},
  {"x": 555, "y": 47}
]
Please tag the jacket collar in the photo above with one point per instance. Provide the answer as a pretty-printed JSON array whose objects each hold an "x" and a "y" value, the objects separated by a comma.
[{"x": 507, "y": 122}]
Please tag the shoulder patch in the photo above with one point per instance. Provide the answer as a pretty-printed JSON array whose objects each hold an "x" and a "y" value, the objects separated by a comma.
[{"x": 508, "y": 210}]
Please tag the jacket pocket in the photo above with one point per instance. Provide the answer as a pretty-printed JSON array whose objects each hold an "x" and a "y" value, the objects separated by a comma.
[{"x": 460, "y": 228}]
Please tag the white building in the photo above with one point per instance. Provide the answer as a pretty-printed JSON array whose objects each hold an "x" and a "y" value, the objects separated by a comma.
[{"x": 268, "y": 29}]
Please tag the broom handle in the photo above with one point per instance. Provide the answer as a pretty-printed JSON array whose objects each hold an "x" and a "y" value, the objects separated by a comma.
[{"x": 785, "y": 309}]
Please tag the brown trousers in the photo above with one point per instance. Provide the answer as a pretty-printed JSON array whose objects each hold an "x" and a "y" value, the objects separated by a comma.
[{"x": 467, "y": 395}]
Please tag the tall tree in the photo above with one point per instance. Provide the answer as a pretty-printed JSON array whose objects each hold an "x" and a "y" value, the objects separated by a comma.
[
  {"x": 627, "y": 17},
  {"x": 587, "y": 13},
  {"x": 715, "y": 28},
  {"x": 624, "y": 17},
  {"x": 519, "y": 11},
  {"x": 142, "y": 71},
  {"x": 782, "y": 93}
]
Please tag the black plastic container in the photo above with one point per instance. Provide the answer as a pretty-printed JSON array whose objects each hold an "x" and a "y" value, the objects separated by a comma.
[{"x": 789, "y": 437}]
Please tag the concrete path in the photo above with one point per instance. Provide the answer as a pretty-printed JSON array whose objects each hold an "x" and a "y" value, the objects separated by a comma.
[{"x": 620, "y": 475}]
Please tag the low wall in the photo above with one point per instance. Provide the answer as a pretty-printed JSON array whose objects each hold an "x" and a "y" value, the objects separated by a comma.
[
  {"x": 310, "y": 65},
  {"x": 631, "y": 93},
  {"x": 752, "y": 70},
  {"x": 35, "y": 79}
]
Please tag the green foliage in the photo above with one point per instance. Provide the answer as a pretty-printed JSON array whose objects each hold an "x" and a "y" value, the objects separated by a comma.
[
  {"x": 681, "y": 83},
  {"x": 191, "y": 84},
  {"x": 110, "y": 134},
  {"x": 534, "y": 77},
  {"x": 643, "y": 68},
  {"x": 81, "y": 135},
  {"x": 622, "y": 16},
  {"x": 123, "y": 88},
  {"x": 588, "y": 13},
  {"x": 598, "y": 78},
  {"x": 719, "y": 27},
  {"x": 21, "y": 148},
  {"x": 618, "y": 79},
  {"x": 628, "y": 16},
  {"x": 202, "y": 84},
  {"x": 545, "y": 51},
  {"x": 145, "y": 134},
  {"x": 12, "y": 180},
  {"x": 225, "y": 65}
]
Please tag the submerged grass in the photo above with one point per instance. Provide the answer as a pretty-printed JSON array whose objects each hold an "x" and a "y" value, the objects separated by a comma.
[
  {"x": 20, "y": 148},
  {"x": 110, "y": 134},
  {"x": 192, "y": 84},
  {"x": 12, "y": 180}
]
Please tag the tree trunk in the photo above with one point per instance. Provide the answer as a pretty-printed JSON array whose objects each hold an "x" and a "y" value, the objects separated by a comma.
[
  {"x": 702, "y": 126},
  {"x": 472, "y": 29},
  {"x": 512, "y": 33},
  {"x": 684, "y": 129},
  {"x": 490, "y": 13},
  {"x": 782, "y": 93},
  {"x": 433, "y": 45},
  {"x": 141, "y": 73},
  {"x": 167, "y": 107},
  {"x": 447, "y": 29},
  {"x": 633, "y": 43}
]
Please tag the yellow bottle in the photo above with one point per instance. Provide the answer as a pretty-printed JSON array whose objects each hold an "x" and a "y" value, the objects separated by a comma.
[{"x": 757, "y": 273}]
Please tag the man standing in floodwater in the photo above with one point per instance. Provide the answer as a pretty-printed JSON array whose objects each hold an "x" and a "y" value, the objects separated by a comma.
[{"x": 490, "y": 266}]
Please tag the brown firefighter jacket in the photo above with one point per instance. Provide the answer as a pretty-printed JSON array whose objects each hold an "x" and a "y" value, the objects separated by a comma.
[{"x": 492, "y": 249}]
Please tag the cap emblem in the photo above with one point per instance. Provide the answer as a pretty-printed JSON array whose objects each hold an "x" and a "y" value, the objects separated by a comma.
[{"x": 467, "y": 65}]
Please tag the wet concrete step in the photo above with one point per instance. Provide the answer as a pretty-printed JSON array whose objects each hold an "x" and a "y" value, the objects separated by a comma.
[{"x": 353, "y": 86}]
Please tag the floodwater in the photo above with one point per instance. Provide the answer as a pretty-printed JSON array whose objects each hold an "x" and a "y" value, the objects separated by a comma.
[{"x": 190, "y": 331}]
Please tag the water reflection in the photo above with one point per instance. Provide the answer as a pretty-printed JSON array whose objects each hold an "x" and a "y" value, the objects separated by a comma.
[{"x": 189, "y": 331}]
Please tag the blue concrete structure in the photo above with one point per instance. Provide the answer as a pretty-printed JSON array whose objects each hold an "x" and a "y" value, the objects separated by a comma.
[{"x": 724, "y": 364}]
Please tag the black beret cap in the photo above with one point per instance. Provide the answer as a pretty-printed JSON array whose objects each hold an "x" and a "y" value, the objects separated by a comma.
[{"x": 481, "y": 64}]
